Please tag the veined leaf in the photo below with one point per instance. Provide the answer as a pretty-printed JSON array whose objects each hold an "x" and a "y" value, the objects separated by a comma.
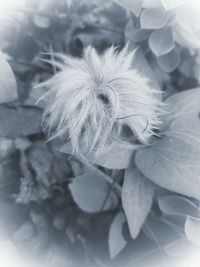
[
  {"x": 137, "y": 195},
  {"x": 173, "y": 161}
]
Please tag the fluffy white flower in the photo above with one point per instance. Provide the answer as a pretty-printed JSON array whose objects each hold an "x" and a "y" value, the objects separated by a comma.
[{"x": 101, "y": 98}]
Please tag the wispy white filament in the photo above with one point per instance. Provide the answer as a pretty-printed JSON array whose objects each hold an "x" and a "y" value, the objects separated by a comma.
[{"x": 99, "y": 98}]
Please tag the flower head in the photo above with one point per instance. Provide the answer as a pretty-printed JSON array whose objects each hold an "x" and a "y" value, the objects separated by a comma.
[{"x": 101, "y": 98}]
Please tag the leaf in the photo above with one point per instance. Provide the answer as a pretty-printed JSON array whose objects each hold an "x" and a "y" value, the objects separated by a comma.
[
  {"x": 137, "y": 195},
  {"x": 134, "y": 6},
  {"x": 170, "y": 61},
  {"x": 22, "y": 121},
  {"x": 180, "y": 248},
  {"x": 177, "y": 205},
  {"x": 192, "y": 229},
  {"x": 154, "y": 18},
  {"x": 116, "y": 156},
  {"x": 116, "y": 239},
  {"x": 161, "y": 41},
  {"x": 90, "y": 191},
  {"x": 173, "y": 161},
  {"x": 8, "y": 85}
]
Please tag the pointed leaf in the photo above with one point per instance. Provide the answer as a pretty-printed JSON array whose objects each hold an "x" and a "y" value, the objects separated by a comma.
[
  {"x": 173, "y": 161},
  {"x": 8, "y": 85},
  {"x": 137, "y": 194},
  {"x": 161, "y": 41},
  {"x": 192, "y": 229},
  {"x": 116, "y": 239},
  {"x": 154, "y": 18},
  {"x": 90, "y": 191}
]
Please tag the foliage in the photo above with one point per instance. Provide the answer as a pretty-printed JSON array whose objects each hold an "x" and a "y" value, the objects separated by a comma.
[{"x": 56, "y": 205}]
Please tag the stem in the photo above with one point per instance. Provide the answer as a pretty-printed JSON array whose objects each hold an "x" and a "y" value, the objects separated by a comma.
[{"x": 114, "y": 182}]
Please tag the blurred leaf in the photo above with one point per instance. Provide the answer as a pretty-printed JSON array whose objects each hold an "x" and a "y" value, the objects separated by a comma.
[
  {"x": 161, "y": 41},
  {"x": 152, "y": 4},
  {"x": 10, "y": 171},
  {"x": 20, "y": 121},
  {"x": 25, "y": 232},
  {"x": 187, "y": 15},
  {"x": 192, "y": 229},
  {"x": 185, "y": 37},
  {"x": 161, "y": 231},
  {"x": 116, "y": 239},
  {"x": 11, "y": 215},
  {"x": 154, "y": 18},
  {"x": 41, "y": 162},
  {"x": 141, "y": 64},
  {"x": 7, "y": 147},
  {"x": 90, "y": 191},
  {"x": 169, "y": 4},
  {"x": 8, "y": 85},
  {"x": 136, "y": 35},
  {"x": 177, "y": 205},
  {"x": 181, "y": 248},
  {"x": 172, "y": 161},
  {"x": 137, "y": 195},
  {"x": 170, "y": 61},
  {"x": 134, "y": 6},
  {"x": 9, "y": 254}
]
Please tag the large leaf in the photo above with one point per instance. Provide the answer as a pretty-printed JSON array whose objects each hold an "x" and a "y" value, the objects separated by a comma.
[
  {"x": 92, "y": 193},
  {"x": 161, "y": 41},
  {"x": 173, "y": 161},
  {"x": 192, "y": 229},
  {"x": 116, "y": 239},
  {"x": 8, "y": 85},
  {"x": 137, "y": 195},
  {"x": 20, "y": 121}
]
